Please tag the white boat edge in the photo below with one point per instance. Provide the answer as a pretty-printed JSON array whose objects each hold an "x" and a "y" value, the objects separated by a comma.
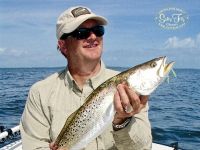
[{"x": 17, "y": 145}]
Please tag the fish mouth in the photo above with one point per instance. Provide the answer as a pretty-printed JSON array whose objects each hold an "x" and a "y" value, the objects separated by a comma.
[{"x": 167, "y": 66}]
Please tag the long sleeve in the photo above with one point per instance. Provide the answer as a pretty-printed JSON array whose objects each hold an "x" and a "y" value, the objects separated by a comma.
[
  {"x": 52, "y": 100},
  {"x": 137, "y": 135},
  {"x": 34, "y": 125}
]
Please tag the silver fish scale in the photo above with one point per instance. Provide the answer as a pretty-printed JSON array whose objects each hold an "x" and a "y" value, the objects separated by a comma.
[
  {"x": 80, "y": 124},
  {"x": 83, "y": 121}
]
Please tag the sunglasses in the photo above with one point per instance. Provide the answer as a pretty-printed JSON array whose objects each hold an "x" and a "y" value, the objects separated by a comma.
[{"x": 84, "y": 33}]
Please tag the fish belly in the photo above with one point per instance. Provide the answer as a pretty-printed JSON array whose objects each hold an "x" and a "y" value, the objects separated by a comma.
[{"x": 101, "y": 117}]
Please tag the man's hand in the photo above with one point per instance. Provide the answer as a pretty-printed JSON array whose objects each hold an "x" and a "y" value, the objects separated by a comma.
[
  {"x": 127, "y": 103},
  {"x": 52, "y": 146}
]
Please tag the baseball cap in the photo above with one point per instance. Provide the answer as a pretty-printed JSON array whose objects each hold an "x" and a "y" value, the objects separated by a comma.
[{"x": 73, "y": 17}]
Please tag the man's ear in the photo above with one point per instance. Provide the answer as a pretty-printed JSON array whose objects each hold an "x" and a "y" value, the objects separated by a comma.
[{"x": 62, "y": 47}]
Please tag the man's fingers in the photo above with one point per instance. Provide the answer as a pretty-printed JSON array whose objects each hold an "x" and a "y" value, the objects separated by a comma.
[
  {"x": 117, "y": 103},
  {"x": 134, "y": 99},
  {"x": 144, "y": 99},
  {"x": 124, "y": 98},
  {"x": 118, "y": 107},
  {"x": 52, "y": 146},
  {"x": 127, "y": 103}
]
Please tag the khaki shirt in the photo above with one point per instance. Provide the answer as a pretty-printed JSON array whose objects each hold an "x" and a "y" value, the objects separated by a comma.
[{"x": 52, "y": 100}]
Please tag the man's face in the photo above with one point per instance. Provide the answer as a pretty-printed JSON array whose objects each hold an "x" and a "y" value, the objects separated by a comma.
[{"x": 88, "y": 49}]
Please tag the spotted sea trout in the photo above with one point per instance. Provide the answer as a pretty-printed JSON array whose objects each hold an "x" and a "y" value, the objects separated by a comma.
[{"x": 98, "y": 111}]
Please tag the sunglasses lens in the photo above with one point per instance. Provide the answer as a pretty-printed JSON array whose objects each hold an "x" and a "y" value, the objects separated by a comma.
[
  {"x": 81, "y": 33},
  {"x": 98, "y": 31},
  {"x": 84, "y": 33}
]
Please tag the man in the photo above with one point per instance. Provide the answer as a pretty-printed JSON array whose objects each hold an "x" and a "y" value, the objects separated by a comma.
[{"x": 51, "y": 101}]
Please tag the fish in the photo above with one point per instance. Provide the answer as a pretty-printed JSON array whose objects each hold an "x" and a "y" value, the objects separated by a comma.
[{"x": 95, "y": 115}]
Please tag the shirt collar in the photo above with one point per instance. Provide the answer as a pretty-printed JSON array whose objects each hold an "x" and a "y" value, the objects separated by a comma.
[
  {"x": 95, "y": 81},
  {"x": 99, "y": 77}
]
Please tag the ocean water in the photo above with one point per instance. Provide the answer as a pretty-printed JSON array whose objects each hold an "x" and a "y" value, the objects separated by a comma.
[{"x": 174, "y": 107}]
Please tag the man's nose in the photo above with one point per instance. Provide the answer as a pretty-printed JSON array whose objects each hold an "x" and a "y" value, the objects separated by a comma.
[{"x": 92, "y": 36}]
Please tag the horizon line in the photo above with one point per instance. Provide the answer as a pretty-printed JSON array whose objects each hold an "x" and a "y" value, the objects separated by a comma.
[{"x": 65, "y": 67}]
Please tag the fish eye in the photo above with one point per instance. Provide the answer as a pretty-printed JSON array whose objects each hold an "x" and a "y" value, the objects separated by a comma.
[{"x": 153, "y": 64}]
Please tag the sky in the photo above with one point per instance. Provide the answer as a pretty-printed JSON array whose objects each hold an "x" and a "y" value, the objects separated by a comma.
[{"x": 133, "y": 35}]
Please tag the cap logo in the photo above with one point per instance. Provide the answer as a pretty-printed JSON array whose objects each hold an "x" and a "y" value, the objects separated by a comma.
[{"x": 80, "y": 11}]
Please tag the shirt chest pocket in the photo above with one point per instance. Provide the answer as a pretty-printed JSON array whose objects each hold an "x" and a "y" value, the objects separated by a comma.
[
  {"x": 58, "y": 119},
  {"x": 60, "y": 110}
]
